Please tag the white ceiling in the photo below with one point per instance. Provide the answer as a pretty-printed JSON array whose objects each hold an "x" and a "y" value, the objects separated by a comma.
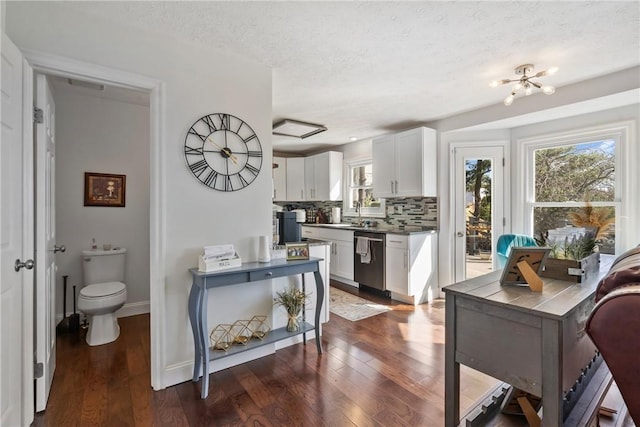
[{"x": 366, "y": 68}]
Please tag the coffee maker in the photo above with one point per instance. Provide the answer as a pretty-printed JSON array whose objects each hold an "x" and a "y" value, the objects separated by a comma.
[{"x": 289, "y": 224}]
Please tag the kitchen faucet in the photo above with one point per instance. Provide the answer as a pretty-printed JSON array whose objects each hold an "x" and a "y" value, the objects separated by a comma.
[{"x": 359, "y": 210}]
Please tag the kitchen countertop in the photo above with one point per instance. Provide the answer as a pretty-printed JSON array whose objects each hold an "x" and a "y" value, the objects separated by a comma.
[{"x": 384, "y": 229}]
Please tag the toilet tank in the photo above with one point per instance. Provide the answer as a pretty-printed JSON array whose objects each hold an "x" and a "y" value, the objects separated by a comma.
[{"x": 103, "y": 266}]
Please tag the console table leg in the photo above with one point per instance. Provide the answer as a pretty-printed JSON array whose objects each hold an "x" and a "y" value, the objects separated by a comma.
[
  {"x": 202, "y": 315},
  {"x": 195, "y": 328},
  {"x": 319, "y": 303}
]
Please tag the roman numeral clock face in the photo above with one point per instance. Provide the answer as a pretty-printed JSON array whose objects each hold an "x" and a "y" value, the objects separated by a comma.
[{"x": 223, "y": 152}]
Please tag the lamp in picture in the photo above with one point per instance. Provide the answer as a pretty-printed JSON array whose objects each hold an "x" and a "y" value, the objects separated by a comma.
[{"x": 526, "y": 82}]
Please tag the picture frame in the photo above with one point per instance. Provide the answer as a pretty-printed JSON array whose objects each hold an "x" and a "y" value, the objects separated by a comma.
[
  {"x": 104, "y": 189},
  {"x": 297, "y": 251},
  {"x": 532, "y": 255}
]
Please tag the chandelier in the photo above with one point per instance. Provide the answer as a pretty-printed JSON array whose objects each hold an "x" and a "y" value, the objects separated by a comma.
[{"x": 525, "y": 82}]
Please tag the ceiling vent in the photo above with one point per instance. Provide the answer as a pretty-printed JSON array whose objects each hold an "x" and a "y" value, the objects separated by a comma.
[{"x": 297, "y": 129}]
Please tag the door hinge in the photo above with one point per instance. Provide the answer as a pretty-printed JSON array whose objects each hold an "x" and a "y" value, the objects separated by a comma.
[
  {"x": 38, "y": 115},
  {"x": 38, "y": 370},
  {"x": 504, "y": 222},
  {"x": 503, "y": 162}
]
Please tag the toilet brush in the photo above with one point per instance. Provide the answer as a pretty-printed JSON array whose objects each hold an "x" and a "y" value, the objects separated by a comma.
[
  {"x": 74, "y": 319},
  {"x": 63, "y": 326}
]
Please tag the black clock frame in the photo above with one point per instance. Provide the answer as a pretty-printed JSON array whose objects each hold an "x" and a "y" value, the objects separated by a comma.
[{"x": 229, "y": 163}]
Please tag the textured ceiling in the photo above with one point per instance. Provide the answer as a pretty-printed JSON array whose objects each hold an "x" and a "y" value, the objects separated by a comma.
[{"x": 365, "y": 68}]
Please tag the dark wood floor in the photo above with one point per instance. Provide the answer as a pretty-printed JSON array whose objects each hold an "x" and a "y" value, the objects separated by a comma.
[{"x": 387, "y": 370}]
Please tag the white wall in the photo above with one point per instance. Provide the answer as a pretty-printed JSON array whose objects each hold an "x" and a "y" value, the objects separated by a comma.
[
  {"x": 195, "y": 82},
  {"x": 106, "y": 136}
]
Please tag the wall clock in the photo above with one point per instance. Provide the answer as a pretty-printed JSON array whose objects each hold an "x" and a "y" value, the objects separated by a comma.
[{"x": 223, "y": 152}]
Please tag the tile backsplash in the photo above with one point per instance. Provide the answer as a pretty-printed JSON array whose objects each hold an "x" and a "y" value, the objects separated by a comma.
[{"x": 419, "y": 211}]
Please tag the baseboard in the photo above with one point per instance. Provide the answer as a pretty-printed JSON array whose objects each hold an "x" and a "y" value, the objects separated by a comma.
[
  {"x": 345, "y": 281},
  {"x": 134, "y": 308}
]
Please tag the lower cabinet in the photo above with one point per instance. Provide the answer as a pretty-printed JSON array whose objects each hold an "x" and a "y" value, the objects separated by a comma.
[
  {"x": 342, "y": 248},
  {"x": 411, "y": 273}
]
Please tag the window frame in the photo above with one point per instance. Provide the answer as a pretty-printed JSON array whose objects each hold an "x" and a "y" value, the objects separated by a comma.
[
  {"x": 625, "y": 153},
  {"x": 347, "y": 211}
]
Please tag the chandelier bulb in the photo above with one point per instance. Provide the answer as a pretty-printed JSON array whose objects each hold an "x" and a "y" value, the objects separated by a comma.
[
  {"x": 551, "y": 71},
  {"x": 508, "y": 100},
  {"x": 516, "y": 87},
  {"x": 494, "y": 83},
  {"x": 527, "y": 90},
  {"x": 548, "y": 90}
]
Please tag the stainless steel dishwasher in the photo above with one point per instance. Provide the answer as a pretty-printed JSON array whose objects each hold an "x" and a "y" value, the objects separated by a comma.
[{"x": 369, "y": 271}]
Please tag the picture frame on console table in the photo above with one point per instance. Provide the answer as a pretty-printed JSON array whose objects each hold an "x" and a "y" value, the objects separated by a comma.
[
  {"x": 297, "y": 251},
  {"x": 534, "y": 256}
]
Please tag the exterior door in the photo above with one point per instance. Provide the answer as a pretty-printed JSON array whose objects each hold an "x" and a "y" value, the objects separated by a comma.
[
  {"x": 46, "y": 268},
  {"x": 479, "y": 208},
  {"x": 16, "y": 325}
]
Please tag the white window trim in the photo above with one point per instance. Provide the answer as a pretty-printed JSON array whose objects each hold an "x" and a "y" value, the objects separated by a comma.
[
  {"x": 365, "y": 212},
  {"x": 627, "y": 205}
]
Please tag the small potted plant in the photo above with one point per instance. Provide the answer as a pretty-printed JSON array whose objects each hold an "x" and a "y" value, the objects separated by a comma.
[{"x": 293, "y": 300}]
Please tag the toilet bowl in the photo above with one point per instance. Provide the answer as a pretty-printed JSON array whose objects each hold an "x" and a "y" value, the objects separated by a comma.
[
  {"x": 100, "y": 302},
  {"x": 104, "y": 293}
]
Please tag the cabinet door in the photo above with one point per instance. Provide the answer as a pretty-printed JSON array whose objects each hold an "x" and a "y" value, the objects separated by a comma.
[
  {"x": 383, "y": 163},
  {"x": 295, "y": 178},
  {"x": 321, "y": 176},
  {"x": 397, "y": 275},
  {"x": 344, "y": 259},
  {"x": 310, "y": 178},
  {"x": 408, "y": 163},
  {"x": 279, "y": 175}
]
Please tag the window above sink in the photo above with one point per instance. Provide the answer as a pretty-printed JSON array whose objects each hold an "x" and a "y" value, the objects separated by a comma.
[{"x": 359, "y": 189}]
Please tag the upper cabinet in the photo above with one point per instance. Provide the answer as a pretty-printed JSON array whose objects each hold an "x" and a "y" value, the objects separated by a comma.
[
  {"x": 405, "y": 164},
  {"x": 279, "y": 175},
  {"x": 317, "y": 177},
  {"x": 295, "y": 179}
]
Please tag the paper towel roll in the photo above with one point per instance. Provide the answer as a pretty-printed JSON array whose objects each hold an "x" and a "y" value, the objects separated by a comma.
[
  {"x": 264, "y": 253},
  {"x": 335, "y": 215}
]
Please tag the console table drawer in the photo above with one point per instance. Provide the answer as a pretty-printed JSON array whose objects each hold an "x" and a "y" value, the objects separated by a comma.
[{"x": 267, "y": 274}]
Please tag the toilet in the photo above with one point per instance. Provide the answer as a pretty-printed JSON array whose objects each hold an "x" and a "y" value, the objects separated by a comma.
[{"x": 103, "y": 294}]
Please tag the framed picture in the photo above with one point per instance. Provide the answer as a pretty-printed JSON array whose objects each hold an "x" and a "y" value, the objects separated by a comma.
[
  {"x": 532, "y": 255},
  {"x": 104, "y": 189},
  {"x": 297, "y": 251}
]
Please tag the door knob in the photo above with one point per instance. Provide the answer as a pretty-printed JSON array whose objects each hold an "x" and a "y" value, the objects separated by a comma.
[
  {"x": 460, "y": 234},
  {"x": 28, "y": 264},
  {"x": 57, "y": 248}
]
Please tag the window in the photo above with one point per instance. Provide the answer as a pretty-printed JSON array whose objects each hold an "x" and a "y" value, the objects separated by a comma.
[
  {"x": 575, "y": 185},
  {"x": 359, "y": 189}
]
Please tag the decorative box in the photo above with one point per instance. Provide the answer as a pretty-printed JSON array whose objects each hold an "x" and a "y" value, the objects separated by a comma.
[
  {"x": 216, "y": 264},
  {"x": 572, "y": 270}
]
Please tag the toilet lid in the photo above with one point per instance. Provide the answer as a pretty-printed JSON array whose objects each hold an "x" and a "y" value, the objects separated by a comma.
[{"x": 102, "y": 289}]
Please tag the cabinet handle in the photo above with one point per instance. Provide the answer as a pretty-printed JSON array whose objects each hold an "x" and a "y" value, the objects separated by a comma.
[
  {"x": 405, "y": 260},
  {"x": 269, "y": 273},
  {"x": 302, "y": 194},
  {"x": 396, "y": 186},
  {"x": 391, "y": 186}
]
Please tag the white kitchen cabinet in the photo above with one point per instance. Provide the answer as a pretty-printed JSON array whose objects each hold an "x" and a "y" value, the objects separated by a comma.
[
  {"x": 405, "y": 164},
  {"x": 295, "y": 179},
  {"x": 411, "y": 267},
  {"x": 323, "y": 176},
  {"x": 279, "y": 176},
  {"x": 342, "y": 249}
]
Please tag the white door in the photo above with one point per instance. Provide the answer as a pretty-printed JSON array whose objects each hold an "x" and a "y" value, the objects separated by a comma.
[
  {"x": 478, "y": 203},
  {"x": 46, "y": 269},
  {"x": 16, "y": 333}
]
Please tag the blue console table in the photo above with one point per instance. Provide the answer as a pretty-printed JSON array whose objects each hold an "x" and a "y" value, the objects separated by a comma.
[{"x": 247, "y": 272}]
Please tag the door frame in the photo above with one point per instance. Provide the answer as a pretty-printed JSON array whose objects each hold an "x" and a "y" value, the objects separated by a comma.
[
  {"x": 506, "y": 200},
  {"x": 50, "y": 64}
]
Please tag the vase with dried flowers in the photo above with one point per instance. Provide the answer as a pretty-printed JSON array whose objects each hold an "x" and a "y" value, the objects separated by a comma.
[{"x": 293, "y": 300}]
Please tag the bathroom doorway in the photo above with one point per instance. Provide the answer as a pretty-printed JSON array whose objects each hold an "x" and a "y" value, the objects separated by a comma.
[{"x": 105, "y": 129}]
